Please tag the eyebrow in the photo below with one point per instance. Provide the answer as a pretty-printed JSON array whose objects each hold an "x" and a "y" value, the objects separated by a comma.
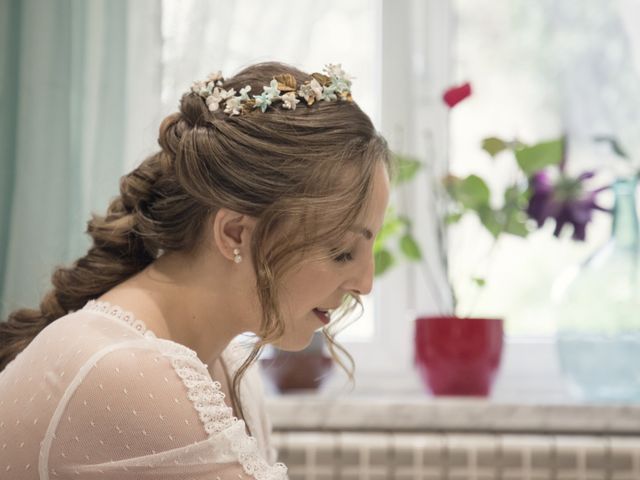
[{"x": 365, "y": 232}]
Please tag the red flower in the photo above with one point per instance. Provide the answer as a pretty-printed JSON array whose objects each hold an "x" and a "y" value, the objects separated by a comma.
[{"x": 455, "y": 95}]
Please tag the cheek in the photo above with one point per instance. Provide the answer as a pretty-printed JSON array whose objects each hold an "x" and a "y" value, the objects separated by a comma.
[{"x": 314, "y": 288}]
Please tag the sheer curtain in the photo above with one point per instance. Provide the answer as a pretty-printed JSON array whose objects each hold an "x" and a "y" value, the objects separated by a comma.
[{"x": 80, "y": 89}]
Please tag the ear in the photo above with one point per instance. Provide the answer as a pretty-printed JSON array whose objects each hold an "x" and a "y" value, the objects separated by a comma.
[{"x": 232, "y": 230}]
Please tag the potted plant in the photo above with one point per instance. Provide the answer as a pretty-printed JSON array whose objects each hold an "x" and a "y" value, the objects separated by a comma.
[{"x": 460, "y": 354}]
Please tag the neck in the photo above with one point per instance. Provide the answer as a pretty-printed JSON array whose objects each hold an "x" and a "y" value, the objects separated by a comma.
[{"x": 181, "y": 300}]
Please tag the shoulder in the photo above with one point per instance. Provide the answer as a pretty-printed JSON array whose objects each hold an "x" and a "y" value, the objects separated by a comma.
[
  {"x": 88, "y": 328},
  {"x": 163, "y": 388}
]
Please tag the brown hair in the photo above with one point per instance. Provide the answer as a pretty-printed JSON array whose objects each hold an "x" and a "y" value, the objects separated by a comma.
[{"x": 304, "y": 174}]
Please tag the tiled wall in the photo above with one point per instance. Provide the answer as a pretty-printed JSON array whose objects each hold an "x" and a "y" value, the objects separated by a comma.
[{"x": 408, "y": 456}]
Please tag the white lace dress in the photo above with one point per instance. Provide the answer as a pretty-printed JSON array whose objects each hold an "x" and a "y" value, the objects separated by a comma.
[{"x": 97, "y": 395}]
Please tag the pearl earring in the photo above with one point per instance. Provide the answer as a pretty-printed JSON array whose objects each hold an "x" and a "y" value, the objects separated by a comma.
[{"x": 237, "y": 258}]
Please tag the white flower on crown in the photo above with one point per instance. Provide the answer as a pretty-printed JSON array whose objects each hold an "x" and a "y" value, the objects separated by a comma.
[
  {"x": 313, "y": 89},
  {"x": 232, "y": 106},
  {"x": 199, "y": 87},
  {"x": 336, "y": 71},
  {"x": 213, "y": 101},
  {"x": 227, "y": 93},
  {"x": 289, "y": 100},
  {"x": 215, "y": 77},
  {"x": 244, "y": 91},
  {"x": 218, "y": 95}
]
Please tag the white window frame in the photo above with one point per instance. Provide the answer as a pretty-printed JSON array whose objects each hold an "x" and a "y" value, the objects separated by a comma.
[{"x": 414, "y": 66}]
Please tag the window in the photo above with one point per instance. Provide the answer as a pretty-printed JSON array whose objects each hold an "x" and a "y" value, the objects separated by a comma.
[{"x": 538, "y": 69}]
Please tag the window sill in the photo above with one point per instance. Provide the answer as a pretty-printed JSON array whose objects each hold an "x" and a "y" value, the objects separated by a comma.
[
  {"x": 527, "y": 397},
  {"x": 422, "y": 413}
]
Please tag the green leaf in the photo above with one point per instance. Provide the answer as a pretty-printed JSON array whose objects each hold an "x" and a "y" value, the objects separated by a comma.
[
  {"x": 613, "y": 143},
  {"x": 408, "y": 167},
  {"x": 409, "y": 247},
  {"x": 480, "y": 282},
  {"x": 517, "y": 196},
  {"x": 512, "y": 195},
  {"x": 493, "y": 145},
  {"x": 516, "y": 223},
  {"x": 391, "y": 227},
  {"x": 453, "y": 218},
  {"x": 383, "y": 261},
  {"x": 514, "y": 220},
  {"x": 490, "y": 220},
  {"x": 472, "y": 192},
  {"x": 534, "y": 158}
]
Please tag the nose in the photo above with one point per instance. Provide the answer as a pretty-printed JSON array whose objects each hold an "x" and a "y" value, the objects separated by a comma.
[{"x": 362, "y": 280}]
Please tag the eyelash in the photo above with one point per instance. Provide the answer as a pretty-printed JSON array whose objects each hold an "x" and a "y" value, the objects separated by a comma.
[{"x": 344, "y": 257}]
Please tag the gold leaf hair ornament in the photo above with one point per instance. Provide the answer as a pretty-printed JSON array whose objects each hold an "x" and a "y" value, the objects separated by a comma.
[{"x": 332, "y": 85}]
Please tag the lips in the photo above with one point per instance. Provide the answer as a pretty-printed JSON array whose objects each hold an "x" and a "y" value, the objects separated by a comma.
[{"x": 323, "y": 316}]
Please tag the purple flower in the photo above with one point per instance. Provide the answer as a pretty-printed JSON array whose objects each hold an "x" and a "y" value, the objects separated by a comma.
[{"x": 564, "y": 199}]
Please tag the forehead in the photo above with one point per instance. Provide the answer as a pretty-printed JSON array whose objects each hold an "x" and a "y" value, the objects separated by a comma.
[{"x": 377, "y": 205}]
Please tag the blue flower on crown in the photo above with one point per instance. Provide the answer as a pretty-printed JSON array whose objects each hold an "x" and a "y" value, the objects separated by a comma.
[
  {"x": 272, "y": 89},
  {"x": 340, "y": 81},
  {"x": 328, "y": 93},
  {"x": 265, "y": 98}
]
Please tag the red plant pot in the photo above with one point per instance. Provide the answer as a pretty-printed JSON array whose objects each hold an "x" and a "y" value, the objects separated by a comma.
[
  {"x": 289, "y": 371},
  {"x": 458, "y": 356}
]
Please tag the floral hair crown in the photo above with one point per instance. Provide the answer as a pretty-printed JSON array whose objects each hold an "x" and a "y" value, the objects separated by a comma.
[{"x": 334, "y": 84}]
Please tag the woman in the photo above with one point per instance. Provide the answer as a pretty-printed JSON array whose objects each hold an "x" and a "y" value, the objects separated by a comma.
[{"x": 258, "y": 213}]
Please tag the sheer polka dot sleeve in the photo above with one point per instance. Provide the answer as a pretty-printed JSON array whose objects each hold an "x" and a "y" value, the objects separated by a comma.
[{"x": 149, "y": 411}]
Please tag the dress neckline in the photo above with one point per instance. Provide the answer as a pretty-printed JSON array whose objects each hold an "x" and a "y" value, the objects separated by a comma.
[
  {"x": 116, "y": 312},
  {"x": 119, "y": 314}
]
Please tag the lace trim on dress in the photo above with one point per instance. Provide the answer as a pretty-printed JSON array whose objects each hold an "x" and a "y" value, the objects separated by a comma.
[
  {"x": 216, "y": 416},
  {"x": 114, "y": 311},
  {"x": 206, "y": 396}
]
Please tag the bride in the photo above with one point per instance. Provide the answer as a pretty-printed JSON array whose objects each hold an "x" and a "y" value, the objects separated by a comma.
[{"x": 257, "y": 214}]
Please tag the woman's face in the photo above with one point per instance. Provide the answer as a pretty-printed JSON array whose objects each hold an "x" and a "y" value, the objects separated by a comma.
[{"x": 323, "y": 284}]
